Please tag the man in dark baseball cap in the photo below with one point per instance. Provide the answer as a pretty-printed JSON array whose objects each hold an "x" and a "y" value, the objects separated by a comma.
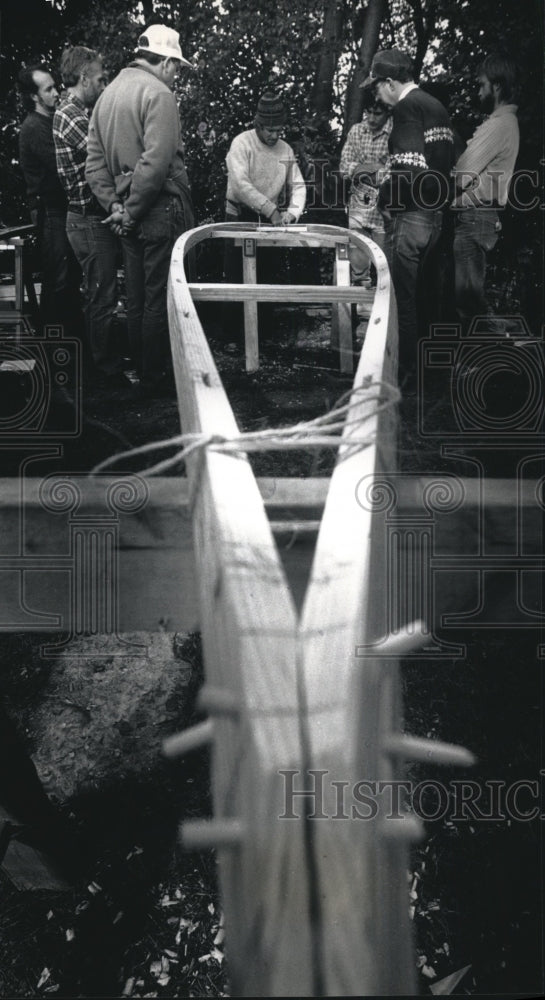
[
  {"x": 416, "y": 189},
  {"x": 390, "y": 64}
]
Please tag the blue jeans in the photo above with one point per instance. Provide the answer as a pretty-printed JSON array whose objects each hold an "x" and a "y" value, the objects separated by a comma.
[
  {"x": 146, "y": 255},
  {"x": 410, "y": 236},
  {"x": 476, "y": 234},
  {"x": 95, "y": 247},
  {"x": 359, "y": 260},
  {"x": 59, "y": 297}
]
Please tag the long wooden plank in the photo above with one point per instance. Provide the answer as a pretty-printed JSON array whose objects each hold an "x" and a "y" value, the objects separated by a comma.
[
  {"x": 249, "y": 275},
  {"x": 248, "y": 625},
  {"x": 344, "y": 695},
  {"x": 341, "y": 314}
]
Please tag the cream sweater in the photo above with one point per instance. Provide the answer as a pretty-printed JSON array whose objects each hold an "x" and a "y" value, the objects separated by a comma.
[{"x": 259, "y": 175}]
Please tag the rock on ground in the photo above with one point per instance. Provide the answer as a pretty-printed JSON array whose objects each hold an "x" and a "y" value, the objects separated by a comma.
[{"x": 106, "y": 709}]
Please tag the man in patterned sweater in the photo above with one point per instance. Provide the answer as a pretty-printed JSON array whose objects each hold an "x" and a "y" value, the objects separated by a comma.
[{"x": 415, "y": 190}]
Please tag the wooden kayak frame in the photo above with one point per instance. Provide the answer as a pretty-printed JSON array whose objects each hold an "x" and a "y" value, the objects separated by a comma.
[{"x": 315, "y": 904}]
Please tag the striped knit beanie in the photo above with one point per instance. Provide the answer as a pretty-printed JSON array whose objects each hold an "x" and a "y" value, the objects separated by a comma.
[{"x": 271, "y": 112}]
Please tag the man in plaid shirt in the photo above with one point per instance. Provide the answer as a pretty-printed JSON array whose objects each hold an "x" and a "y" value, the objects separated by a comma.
[
  {"x": 93, "y": 243},
  {"x": 363, "y": 158}
]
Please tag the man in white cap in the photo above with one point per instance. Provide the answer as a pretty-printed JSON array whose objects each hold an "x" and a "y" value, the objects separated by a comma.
[{"x": 135, "y": 169}]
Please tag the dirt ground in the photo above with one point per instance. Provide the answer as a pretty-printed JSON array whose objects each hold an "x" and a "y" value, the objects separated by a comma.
[{"x": 144, "y": 919}]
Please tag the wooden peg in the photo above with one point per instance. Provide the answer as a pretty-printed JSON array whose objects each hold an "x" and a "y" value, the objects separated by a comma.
[
  {"x": 191, "y": 739},
  {"x": 204, "y": 835},
  {"x": 429, "y": 751},
  {"x": 283, "y": 527}
]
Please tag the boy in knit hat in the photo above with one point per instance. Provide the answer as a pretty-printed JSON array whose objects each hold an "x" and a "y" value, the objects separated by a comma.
[{"x": 264, "y": 183}]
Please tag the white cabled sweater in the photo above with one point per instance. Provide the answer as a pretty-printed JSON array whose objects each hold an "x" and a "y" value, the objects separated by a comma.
[{"x": 263, "y": 177}]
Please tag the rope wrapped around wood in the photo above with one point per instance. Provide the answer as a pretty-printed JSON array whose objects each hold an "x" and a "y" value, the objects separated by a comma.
[{"x": 339, "y": 426}]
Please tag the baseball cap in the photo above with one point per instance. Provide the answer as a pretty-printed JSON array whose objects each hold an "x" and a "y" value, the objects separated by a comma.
[
  {"x": 162, "y": 41},
  {"x": 391, "y": 63}
]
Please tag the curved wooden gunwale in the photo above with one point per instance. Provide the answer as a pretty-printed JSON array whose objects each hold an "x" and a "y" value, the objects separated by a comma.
[{"x": 303, "y": 906}]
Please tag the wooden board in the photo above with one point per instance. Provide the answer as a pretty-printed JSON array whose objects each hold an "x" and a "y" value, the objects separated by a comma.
[{"x": 248, "y": 623}]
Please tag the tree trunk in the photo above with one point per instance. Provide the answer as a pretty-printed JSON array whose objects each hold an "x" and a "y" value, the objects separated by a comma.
[
  {"x": 147, "y": 8},
  {"x": 374, "y": 15},
  {"x": 322, "y": 91},
  {"x": 424, "y": 25}
]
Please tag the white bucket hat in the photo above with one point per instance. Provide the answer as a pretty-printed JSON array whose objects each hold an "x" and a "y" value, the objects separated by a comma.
[{"x": 162, "y": 41}]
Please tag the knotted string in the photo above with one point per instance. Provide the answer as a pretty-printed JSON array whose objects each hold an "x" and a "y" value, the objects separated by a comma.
[{"x": 326, "y": 431}]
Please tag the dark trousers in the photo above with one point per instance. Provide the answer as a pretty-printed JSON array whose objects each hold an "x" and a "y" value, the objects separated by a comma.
[
  {"x": 146, "y": 255},
  {"x": 476, "y": 234},
  {"x": 410, "y": 237},
  {"x": 96, "y": 248},
  {"x": 61, "y": 275}
]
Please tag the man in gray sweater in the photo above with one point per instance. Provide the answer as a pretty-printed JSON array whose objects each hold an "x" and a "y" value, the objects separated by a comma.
[{"x": 135, "y": 169}]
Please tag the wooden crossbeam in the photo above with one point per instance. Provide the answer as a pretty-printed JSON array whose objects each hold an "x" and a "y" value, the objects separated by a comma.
[
  {"x": 293, "y": 236},
  {"x": 278, "y": 293},
  {"x": 8, "y": 231}
]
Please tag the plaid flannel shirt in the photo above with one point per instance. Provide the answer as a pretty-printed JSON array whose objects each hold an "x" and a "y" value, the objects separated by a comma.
[
  {"x": 364, "y": 146},
  {"x": 70, "y": 127}
]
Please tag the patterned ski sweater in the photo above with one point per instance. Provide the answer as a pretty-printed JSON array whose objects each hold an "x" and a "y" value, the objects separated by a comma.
[{"x": 421, "y": 155}]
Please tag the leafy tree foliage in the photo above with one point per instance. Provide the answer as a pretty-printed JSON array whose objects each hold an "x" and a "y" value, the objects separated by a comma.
[{"x": 316, "y": 51}]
